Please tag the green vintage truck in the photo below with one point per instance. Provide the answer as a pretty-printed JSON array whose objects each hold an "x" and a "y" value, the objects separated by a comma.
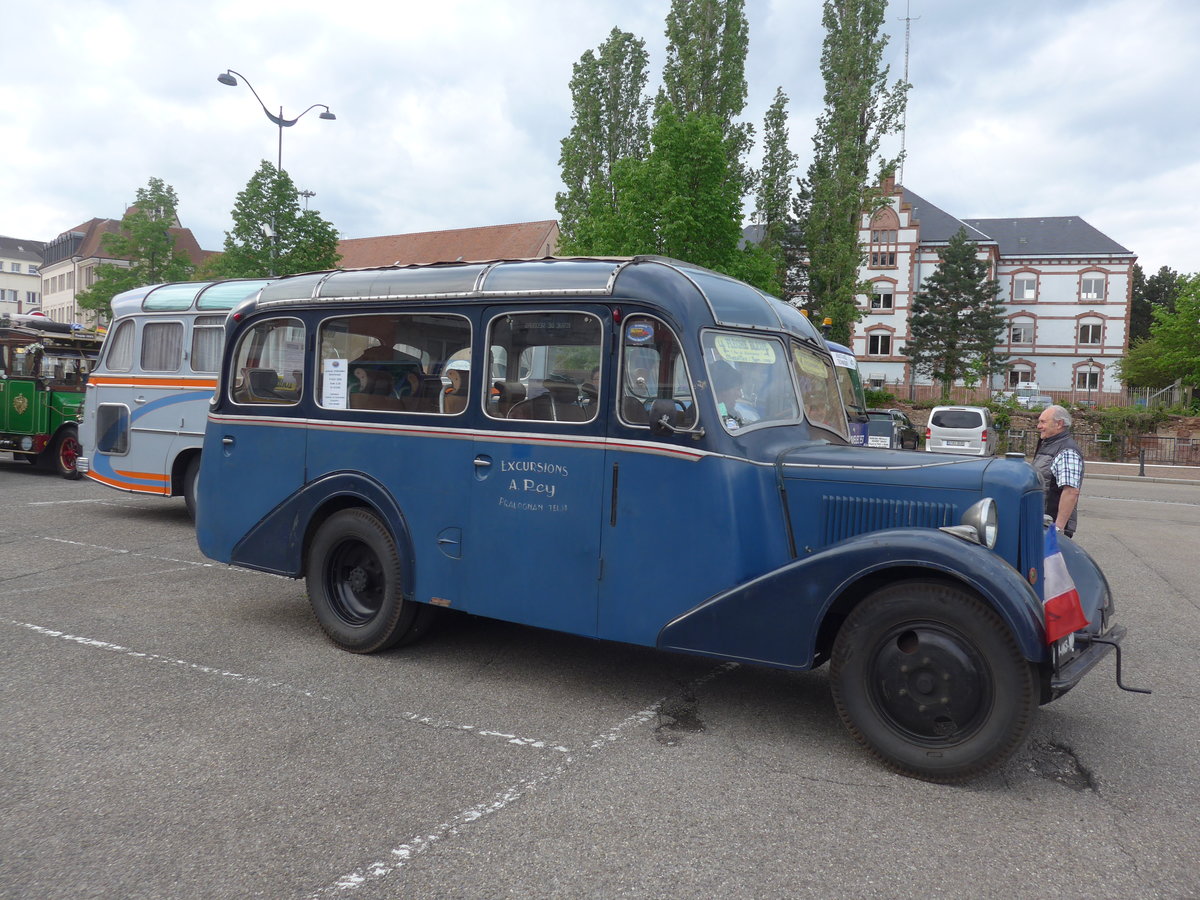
[{"x": 43, "y": 374}]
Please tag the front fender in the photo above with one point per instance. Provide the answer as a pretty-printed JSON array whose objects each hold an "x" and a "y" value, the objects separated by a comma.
[
  {"x": 775, "y": 619},
  {"x": 277, "y": 543}
]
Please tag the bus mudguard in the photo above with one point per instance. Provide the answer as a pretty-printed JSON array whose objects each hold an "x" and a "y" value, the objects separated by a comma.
[
  {"x": 775, "y": 619},
  {"x": 294, "y": 518}
]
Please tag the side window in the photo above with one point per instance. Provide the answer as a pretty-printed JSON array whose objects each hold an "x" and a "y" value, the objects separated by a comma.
[
  {"x": 544, "y": 366},
  {"x": 208, "y": 338},
  {"x": 819, "y": 391},
  {"x": 120, "y": 348},
  {"x": 751, "y": 380},
  {"x": 268, "y": 367},
  {"x": 162, "y": 346},
  {"x": 396, "y": 363},
  {"x": 653, "y": 368}
]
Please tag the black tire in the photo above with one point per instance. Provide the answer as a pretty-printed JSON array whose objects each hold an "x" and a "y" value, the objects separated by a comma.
[
  {"x": 64, "y": 452},
  {"x": 191, "y": 475},
  {"x": 353, "y": 577},
  {"x": 929, "y": 679}
]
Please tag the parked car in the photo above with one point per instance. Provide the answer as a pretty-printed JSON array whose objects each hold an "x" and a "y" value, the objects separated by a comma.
[
  {"x": 892, "y": 429},
  {"x": 1037, "y": 401},
  {"x": 961, "y": 429}
]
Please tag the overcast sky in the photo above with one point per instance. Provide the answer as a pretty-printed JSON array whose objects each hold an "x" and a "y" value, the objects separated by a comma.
[{"x": 449, "y": 114}]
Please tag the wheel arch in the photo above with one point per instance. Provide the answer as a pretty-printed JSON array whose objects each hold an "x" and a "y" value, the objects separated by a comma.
[
  {"x": 789, "y": 617},
  {"x": 179, "y": 467}
]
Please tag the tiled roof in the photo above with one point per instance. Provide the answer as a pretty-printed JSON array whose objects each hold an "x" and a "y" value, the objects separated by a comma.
[
  {"x": 94, "y": 230},
  {"x": 1047, "y": 236},
  {"x": 18, "y": 248},
  {"x": 525, "y": 240},
  {"x": 937, "y": 225}
]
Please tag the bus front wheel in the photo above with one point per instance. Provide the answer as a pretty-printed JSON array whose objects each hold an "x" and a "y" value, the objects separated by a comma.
[
  {"x": 353, "y": 576},
  {"x": 929, "y": 679}
]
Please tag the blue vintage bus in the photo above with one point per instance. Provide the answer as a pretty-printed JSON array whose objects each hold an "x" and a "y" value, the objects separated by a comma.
[{"x": 636, "y": 450}]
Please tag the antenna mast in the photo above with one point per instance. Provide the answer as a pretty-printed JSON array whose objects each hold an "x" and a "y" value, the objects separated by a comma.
[{"x": 908, "y": 19}]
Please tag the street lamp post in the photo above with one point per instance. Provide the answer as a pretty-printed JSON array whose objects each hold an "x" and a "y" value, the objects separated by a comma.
[
  {"x": 228, "y": 77},
  {"x": 1091, "y": 368}
]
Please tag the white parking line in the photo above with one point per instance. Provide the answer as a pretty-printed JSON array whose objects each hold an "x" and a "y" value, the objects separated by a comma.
[
  {"x": 399, "y": 856},
  {"x": 254, "y": 680}
]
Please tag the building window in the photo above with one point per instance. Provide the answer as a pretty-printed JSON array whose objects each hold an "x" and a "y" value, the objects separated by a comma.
[
  {"x": 1019, "y": 374},
  {"x": 1090, "y": 332},
  {"x": 31, "y": 297},
  {"x": 1091, "y": 287},
  {"x": 1025, "y": 287},
  {"x": 879, "y": 344},
  {"x": 33, "y": 270},
  {"x": 14, "y": 267},
  {"x": 881, "y": 298},
  {"x": 883, "y": 248},
  {"x": 1021, "y": 333},
  {"x": 1087, "y": 379}
]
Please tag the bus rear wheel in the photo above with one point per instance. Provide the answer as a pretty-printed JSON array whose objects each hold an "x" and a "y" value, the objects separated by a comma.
[
  {"x": 929, "y": 679},
  {"x": 64, "y": 452},
  {"x": 353, "y": 576},
  {"x": 191, "y": 475}
]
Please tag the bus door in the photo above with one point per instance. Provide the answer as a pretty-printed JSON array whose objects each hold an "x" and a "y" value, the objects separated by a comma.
[
  {"x": 257, "y": 452},
  {"x": 532, "y": 544}
]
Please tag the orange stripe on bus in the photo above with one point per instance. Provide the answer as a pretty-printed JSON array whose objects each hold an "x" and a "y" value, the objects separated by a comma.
[
  {"x": 153, "y": 382},
  {"x": 149, "y": 476},
  {"x": 135, "y": 488}
]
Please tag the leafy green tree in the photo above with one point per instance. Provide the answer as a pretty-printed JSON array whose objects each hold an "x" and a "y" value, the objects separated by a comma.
[
  {"x": 1156, "y": 292},
  {"x": 705, "y": 71},
  {"x": 271, "y": 235},
  {"x": 957, "y": 319},
  {"x": 1145, "y": 365},
  {"x": 145, "y": 240},
  {"x": 611, "y": 114},
  {"x": 860, "y": 109},
  {"x": 1176, "y": 332}
]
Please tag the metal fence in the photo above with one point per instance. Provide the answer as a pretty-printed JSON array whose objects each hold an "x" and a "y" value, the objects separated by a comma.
[{"x": 1150, "y": 449}]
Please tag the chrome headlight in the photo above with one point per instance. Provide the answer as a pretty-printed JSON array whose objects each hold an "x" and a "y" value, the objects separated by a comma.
[{"x": 979, "y": 524}]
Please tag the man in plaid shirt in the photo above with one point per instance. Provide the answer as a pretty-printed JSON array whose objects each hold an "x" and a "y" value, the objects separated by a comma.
[{"x": 1059, "y": 463}]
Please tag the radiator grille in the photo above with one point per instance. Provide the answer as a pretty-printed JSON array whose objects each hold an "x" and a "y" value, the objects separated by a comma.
[{"x": 847, "y": 516}]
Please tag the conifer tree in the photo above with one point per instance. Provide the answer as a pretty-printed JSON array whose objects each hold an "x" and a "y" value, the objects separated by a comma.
[{"x": 957, "y": 319}]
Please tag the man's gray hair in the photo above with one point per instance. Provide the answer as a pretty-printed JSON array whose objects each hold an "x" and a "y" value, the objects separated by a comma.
[{"x": 1059, "y": 414}]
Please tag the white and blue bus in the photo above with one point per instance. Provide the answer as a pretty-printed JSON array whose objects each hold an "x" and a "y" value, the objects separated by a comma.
[
  {"x": 147, "y": 399},
  {"x": 635, "y": 450}
]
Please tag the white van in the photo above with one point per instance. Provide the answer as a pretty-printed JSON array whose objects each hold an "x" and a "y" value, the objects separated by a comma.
[{"x": 961, "y": 429}]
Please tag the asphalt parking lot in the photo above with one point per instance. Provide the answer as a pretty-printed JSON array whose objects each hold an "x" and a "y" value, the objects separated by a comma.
[{"x": 176, "y": 728}]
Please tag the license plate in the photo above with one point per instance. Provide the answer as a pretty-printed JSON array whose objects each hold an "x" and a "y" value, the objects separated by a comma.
[
  {"x": 955, "y": 443},
  {"x": 1064, "y": 648}
]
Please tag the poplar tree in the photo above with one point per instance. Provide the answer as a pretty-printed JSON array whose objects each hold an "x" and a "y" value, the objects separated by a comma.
[
  {"x": 860, "y": 109},
  {"x": 705, "y": 71},
  {"x": 611, "y": 114},
  {"x": 145, "y": 240},
  {"x": 271, "y": 235},
  {"x": 774, "y": 193},
  {"x": 957, "y": 319}
]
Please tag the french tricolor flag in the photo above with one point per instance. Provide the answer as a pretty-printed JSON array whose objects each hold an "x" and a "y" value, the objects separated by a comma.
[{"x": 1064, "y": 615}]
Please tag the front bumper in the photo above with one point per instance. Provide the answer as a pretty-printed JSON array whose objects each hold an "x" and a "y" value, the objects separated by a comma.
[{"x": 1067, "y": 674}]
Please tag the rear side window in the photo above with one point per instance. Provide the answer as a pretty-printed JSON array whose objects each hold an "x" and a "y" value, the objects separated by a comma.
[
  {"x": 957, "y": 418},
  {"x": 208, "y": 339},
  {"x": 162, "y": 346},
  {"x": 120, "y": 348},
  {"x": 396, "y": 363},
  {"x": 268, "y": 367}
]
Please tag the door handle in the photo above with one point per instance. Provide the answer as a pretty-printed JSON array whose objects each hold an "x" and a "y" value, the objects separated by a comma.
[
  {"x": 482, "y": 462},
  {"x": 227, "y": 441},
  {"x": 139, "y": 399}
]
